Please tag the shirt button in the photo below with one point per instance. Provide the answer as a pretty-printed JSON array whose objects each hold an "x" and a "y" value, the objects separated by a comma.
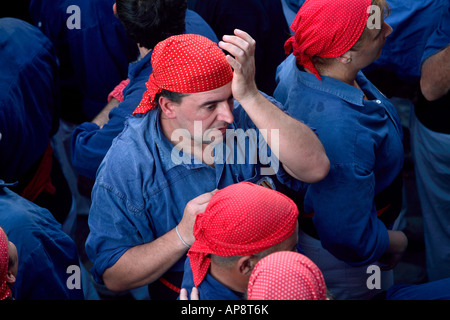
[{"x": 378, "y": 101}]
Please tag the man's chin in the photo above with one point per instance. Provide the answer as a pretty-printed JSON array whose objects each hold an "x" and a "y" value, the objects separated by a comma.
[{"x": 214, "y": 136}]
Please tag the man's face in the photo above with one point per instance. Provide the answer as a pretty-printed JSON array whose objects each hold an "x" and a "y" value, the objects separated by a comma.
[{"x": 206, "y": 115}]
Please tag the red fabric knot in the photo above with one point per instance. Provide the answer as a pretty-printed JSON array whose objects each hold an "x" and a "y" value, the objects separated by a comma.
[
  {"x": 286, "y": 275},
  {"x": 327, "y": 29},
  {"x": 118, "y": 91},
  {"x": 186, "y": 63},
  {"x": 241, "y": 219},
  {"x": 5, "y": 291}
]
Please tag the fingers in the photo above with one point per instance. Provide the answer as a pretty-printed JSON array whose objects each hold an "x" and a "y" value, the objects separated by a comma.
[
  {"x": 199, "y": 203},
  {"x": 192, "y": 209},
  {"x": 240, "y": 45},
  {"x": 194, "y": 294},
  {"x": 204, "y": 198},
  {"x": 183, "y": 294}
]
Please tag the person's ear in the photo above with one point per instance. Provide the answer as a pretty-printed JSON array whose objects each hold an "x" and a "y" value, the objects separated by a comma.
[
  {"x": 246, "y": 265},
  {"x": 345, "y": 58},
  {"x": 114, "y": 9},
  {"x": 10, "y": 278},
  {"x": 168, "y": 107}
]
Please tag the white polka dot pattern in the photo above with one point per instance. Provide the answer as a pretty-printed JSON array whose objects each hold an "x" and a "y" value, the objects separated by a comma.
[
  {"x": 240, "y": 219},
  {"x": 327, "y": 29},
  {"x": 5, "y": 291},
  {"x": 286, "y": 275},
  {"x": 186, "y": 63}
]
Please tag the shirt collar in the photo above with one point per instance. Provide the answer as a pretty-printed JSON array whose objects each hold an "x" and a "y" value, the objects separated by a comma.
[
  {"x": 330, "y": 85},
  {"x": 165, "y": 147},
  {"x": 3, "y": 184},
  {"x": 135, "y": 68}
]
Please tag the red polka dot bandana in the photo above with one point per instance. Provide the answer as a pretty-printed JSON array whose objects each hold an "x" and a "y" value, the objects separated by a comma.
[
  {"x": 241, "y": 219},
  {"x": 186, "y": 63},
  {"x": 286, "y": 275},
  {"x": 5, "y": 291},
  {"x": 327, "y": 29}
]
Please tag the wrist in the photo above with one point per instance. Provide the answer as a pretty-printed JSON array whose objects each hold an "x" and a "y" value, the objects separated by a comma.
[
  {"x": 250, "y": 99},
  {"x": 184, "y": 240}
]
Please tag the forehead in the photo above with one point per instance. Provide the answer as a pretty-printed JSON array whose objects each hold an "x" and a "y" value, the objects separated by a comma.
[{"x": 205, "y": 97}]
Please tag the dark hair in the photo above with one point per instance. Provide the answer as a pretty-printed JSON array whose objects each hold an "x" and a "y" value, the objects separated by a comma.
[
  {"x": 150, "y": 21},
  {"x": 173, "y": 96}
]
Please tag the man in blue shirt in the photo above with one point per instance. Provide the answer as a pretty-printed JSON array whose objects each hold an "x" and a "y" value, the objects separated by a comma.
[
  {"x": 150, "y": 187},
  {"x": 45, "y": 251},
  {"x": 91, "y": 140}
]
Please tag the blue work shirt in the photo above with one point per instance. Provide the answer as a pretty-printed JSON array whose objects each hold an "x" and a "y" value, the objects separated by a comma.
[
  {"x": 89, "y": 142},
  {"x": 435, "y": 115},
  {"x": 28, "y": 97},
  {"x": 412, "y": 22},
  {"x": 45, "y": 251},
  {"x": 363, "y": 141},
  {"x": 440, "y": 37},
  {"x": 93, "y": 49},
  {"x": 142, "y": 188},
  {"x": 209, "y": 288}
]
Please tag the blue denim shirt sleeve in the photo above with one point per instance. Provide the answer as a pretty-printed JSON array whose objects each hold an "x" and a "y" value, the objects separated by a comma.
[
  {"x": 117, "y": 217},
  {"x": 90, "y": 144},
  {"x": 440, "y": 37},
  {"x": 112, "y": 229}
]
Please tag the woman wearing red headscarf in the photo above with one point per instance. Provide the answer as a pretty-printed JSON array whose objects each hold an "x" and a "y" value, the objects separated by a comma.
[{"x": 347, "y": 216}]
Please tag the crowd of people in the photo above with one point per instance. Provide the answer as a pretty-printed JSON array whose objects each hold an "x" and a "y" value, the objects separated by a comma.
[{"x": 222, "y": 150}]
